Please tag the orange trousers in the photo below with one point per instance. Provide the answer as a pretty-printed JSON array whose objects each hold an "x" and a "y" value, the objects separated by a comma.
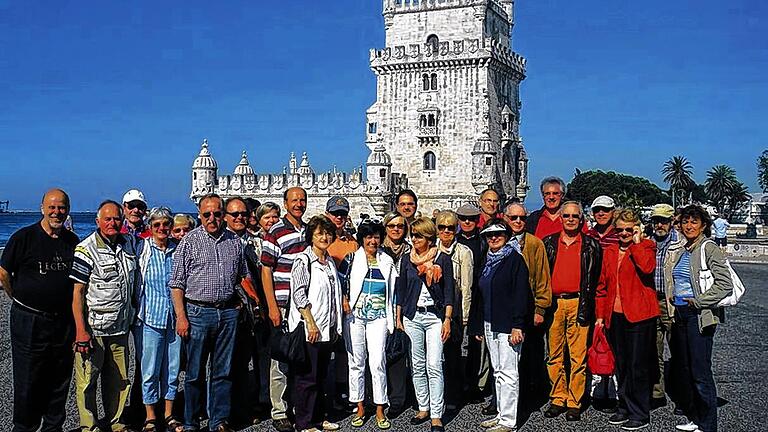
[{"x": 566, "y": 332}]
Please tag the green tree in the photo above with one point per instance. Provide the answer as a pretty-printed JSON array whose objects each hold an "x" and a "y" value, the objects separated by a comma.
[
  {"x": 762, "y": 171},
  {"x": 678, "y": 173},
  {"x": 627, "y": 190},
  {"x": 721, "y": 180}
]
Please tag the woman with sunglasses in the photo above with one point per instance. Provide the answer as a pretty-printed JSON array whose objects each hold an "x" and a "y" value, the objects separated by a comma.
[
  {"x": 501, "y": 314},
  {"x": 626, "y": 305},
  {"x": 155, "y": 331},
  {"x": 424, "y": 298},
  {"x": 182, "y": 224},
  {"x": 369, "y": 276},
  {"x": 463, "y": 272}
]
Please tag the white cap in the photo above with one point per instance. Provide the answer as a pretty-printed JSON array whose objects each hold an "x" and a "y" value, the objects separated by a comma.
[
  {"x": 494, "y": 228},
  {"x": 134, "y": 195},
  {"x": 604, "y": 201}
]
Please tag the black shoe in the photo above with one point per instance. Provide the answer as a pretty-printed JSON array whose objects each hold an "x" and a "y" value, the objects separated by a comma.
[
  {"x": 634, "y": 425},
  {"x": 607, "y": 406},
  {"x": 573, "y": 414},
  {"x": 416, "y": 420},
  {"x": 394, "y": 412},
  {"x": 437, "y": 428},
  {"x": 282, "y": 425},
  {"x": 490, "y": 409},
  {"x": 658, "y": 402},
  {"x": 553, "y": 411},
  {"x": 618, "y": 419}
]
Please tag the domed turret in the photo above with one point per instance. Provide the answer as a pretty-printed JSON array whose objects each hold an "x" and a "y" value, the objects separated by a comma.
[
  {"x": 378, "y": 168},
  {"x": 203, "y": 173},
  {"x": 304, "y": 167},
  {"x": 244, "y": 167},
  {"x": 204, "y": 159},
  {"x": 483, "y": 163}
]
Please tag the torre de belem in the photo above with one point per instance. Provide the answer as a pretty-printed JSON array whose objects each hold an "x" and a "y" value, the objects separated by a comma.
[{"x": 445, "y": 122}]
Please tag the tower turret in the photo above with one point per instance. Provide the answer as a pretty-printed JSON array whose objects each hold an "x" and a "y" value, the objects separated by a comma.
[
  {"x": 204, "y": 171},
  {"x": 378, "y": 168}
]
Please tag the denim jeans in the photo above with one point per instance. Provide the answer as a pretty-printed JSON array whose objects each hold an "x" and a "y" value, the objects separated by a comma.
[
  {"x": 692, "y": 351},
  {"x": 211, "y": 334},
  {"x": 160, "y": 358},
  {"x": 424, "y": 331}
]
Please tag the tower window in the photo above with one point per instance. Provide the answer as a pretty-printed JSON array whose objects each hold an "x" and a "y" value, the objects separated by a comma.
[
  {"x": 425, "y": 82},
  {"x": 430, "y": 161},
  {"x": 434, "y": 42},
  {"x": 372, "y": 128},
  {"x": 382, "y": 172},
  {"x": 488, "y": 160},
  {"x": 431, "y": 120},
  {"x": 422, "y": 120},
  {"x": 433, "y": 82},
  {"x": 194, "y": 176}
]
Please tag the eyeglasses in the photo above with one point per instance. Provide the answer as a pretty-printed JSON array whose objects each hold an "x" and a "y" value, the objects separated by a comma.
[
  {"x": 136, "y": 205},
  {"x": 446, "y": 228},
  {"x": 322, "y": 234},
  {"x": 216, "y": 214},
  {"x": 406, "y": 204},
  {"x": 516, "y": 217},
  {"x": 469, "y": 218},
  {"x": 164, "y": 224},
  {"x": 242, "y": 214},
  {"x": 370, "y": 221},
  {"x": 629, "y": 230},
  {"x": 601, "y": 209},
  {"x": 396, "y": 226},
  {"x": 571, "y": 216},
  {"x": 660, "y": 220},
  {"x": 182, "y": 229}
]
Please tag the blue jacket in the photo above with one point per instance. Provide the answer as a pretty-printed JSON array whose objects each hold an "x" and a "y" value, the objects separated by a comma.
[
  {"x": 409, "y": 284},
  {"x": 511, "y": 303}
]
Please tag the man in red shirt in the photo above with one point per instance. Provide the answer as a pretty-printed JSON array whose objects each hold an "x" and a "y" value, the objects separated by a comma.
[
  {"x": 546, "y": 221},
  {"x": 575, "y": 261},
  {"x": 489, "y": 206}
]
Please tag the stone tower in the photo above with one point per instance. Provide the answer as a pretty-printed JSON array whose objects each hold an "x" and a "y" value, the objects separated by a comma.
[
  {"x": 204, "y": 170},
  {"x": 448, "y": 103}
]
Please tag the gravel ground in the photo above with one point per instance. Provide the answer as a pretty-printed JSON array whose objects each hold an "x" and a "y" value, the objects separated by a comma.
[{"x": 739, "y": 366}]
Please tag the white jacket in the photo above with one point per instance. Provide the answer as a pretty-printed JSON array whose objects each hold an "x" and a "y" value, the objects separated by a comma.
[
  {"x": 321, "y": 284},
  {"x": 357, "y": 276}
]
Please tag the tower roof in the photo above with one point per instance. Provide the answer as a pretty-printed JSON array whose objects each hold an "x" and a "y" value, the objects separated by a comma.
[
  {"x": 244, "y": 167},
  {"x": 304, "y": 167},
  {"x": 379, "y": 156},
  {"x": 204, "y": 159}
]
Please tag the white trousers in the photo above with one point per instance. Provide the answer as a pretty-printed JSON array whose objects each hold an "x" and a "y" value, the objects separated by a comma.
[
  {"x": 367, "y": 339},
  {"x": 504, "y": 359},
  {"x": 427, "y": 361}
]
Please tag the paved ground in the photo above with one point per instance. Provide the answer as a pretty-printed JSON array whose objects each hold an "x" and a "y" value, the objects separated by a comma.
[{"x": 740, "y": 370}]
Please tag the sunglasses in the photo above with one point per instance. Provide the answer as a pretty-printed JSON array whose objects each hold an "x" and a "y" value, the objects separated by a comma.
[
  {"x": 216, "y": 214},
  {"x": 446, "y": 227},
  {"x": 628, "y": 230},
  {"x": 660, "y": 220},
  {"x": 469, "y": 218},
  {"x": 242, "y": 214},
  {"x": 417, "y": 236},
  {"x": 495, "y": 234},
  {"x": 180, "y": 230},
  {"x": 165, "y": 224},
  {"x": 339, "y": 214},
  {"x": 571, "y": 216},
  {"x": 136, "y": 205},
  {"x": 517, "y": 217},
  {"x": 396, "y": 226},
  {"x": 370, "y": 221},
  {"x": 601, "y": 209}
]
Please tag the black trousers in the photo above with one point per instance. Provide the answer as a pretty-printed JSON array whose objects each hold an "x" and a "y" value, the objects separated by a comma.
[
  {"x": 398, "y": 380},
  {"x": 308, "y": 385},
  {"x": 246, "y": 384},
  {"x": 41, "y": 351},
  {"x": 453, "y": 366},
  {"x": 534, "y": 379},
  {"x": 634, "y": 348}
]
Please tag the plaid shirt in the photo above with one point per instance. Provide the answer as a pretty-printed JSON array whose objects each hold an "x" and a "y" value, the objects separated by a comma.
[
  {"x": 281, "y": 245},
  {"x": 661, "y": 255},
  {"x": 206, "y": 268}
]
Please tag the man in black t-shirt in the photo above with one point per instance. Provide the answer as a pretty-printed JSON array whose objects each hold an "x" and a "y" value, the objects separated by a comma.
[{"x": 34, "y": 272}]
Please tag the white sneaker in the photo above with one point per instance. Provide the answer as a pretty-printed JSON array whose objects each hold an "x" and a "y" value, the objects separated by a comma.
[
  {"x": 329, "y": 426},
  {"x": 688, "y": 427},
  {"x": 489, "y": 423}
]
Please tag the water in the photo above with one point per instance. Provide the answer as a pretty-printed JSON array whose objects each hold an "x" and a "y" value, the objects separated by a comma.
[{"x": 12, "y": 222}]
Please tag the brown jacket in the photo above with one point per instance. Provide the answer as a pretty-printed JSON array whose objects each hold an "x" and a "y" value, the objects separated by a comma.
[{"x": 539, "y": 277}]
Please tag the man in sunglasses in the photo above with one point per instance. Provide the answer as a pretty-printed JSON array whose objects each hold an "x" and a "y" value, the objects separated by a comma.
[
  {"x": 533, "y": 388},
  {"x": 575, "y": 261},
  {"x": 135, "y": 209},
  {"x": 208, "y": 266},
  {"x": 665, "y": 236}
]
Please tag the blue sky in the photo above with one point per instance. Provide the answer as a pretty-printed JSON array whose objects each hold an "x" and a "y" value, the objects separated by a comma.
[{"x": 99, "y": 97}]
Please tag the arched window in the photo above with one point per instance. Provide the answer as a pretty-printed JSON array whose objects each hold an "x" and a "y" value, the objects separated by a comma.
[
  {"x": 431, "y": 120},
  {"x": 434, "y": 42},
  {"x": 422, "y": 120},
  {"x": 425, "y": 81},
  {"x": 433, "y": 82},
  {"x": 430, "y": 161},
  {"x": 382, "y": 172}
]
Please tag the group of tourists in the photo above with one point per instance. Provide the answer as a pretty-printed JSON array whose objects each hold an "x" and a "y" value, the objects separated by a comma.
[{"x": 271, "y": 315}]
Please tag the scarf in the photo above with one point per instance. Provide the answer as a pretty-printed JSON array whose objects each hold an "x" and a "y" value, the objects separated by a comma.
[
  {"x": 425, "y": 265},
  {"x": 396, "y": 249},
  {"x": 495, "y": 258}
]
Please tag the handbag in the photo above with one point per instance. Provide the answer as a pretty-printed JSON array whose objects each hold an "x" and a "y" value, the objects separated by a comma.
[
  {"x": 600, "y": 358},
  {"x": 707, "y": 280},
  {"x": 288, "y": 347},
  {"x": 397, "y": 345}
]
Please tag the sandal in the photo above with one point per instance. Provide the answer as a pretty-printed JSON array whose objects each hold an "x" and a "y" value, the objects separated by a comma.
[
  {"x": 383, "y": 423},
  {"x": 149, "y": 426},
  {"x": 357, "y": 421},
  {"x": 173, "y": 424}
]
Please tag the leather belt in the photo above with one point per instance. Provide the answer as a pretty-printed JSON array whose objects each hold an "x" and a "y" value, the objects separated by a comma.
[
  {"x": 425, "y": 309},
  {"x": 566, "y": 296},
  {"x": 225, "y": 304}
]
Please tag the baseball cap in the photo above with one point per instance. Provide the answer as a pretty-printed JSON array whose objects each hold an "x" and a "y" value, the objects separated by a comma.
[
  {"x": 134, "y": 195},
  {"x": 604, "y": 201},
  {"x": 468, "y": 210},
  {"x": 663, "y": 210},
  {"x": 337, "y": 203}
]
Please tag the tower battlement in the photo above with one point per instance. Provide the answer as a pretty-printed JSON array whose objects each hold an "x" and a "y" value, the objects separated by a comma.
[{"x": 405, "y": 6}]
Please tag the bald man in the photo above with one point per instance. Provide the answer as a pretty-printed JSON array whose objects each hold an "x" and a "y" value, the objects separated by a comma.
[{"x": 34, "y": 272}]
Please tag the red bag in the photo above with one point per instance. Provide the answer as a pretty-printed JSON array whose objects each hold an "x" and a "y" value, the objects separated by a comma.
[{"x": 600, "y": 357}]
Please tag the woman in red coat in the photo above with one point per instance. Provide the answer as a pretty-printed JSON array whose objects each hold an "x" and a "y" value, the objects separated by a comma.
[{"x": 626, "y": 305}]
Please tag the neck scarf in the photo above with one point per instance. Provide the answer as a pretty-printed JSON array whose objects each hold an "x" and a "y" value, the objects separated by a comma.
[
  {"x": 396, "y": 249},
  {"x": 495, "y": 258},
  {"x": 425, "y": 264}
]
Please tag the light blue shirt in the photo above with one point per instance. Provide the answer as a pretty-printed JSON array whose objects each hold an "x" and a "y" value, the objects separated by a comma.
[
  {"x": 155, "y": 306},
  {"x": 721, "y": 227},
  {"x": 681, "y": 276}
]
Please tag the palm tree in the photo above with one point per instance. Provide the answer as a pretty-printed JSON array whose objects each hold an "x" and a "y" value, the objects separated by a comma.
[
  {"x": 678, "y": 173},
  {"x": 721, "y": 182},
  {"x": 737, "y": 197}
]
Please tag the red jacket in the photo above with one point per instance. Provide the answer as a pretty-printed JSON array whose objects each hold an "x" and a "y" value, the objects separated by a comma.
[{"x": 638, "y": 296}]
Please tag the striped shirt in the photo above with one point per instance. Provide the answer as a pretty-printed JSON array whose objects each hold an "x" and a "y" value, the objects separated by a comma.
[
  {"x": 681, "y": 275},
  {"x": 155, "y": 304},
  {"x": 281, "y": 245},
  {"x": 302, "y": 275},
  {"x": 611, "y": 237},
  {"x": 207, "y": 268},
  {"x": 661, "y": 255}
]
